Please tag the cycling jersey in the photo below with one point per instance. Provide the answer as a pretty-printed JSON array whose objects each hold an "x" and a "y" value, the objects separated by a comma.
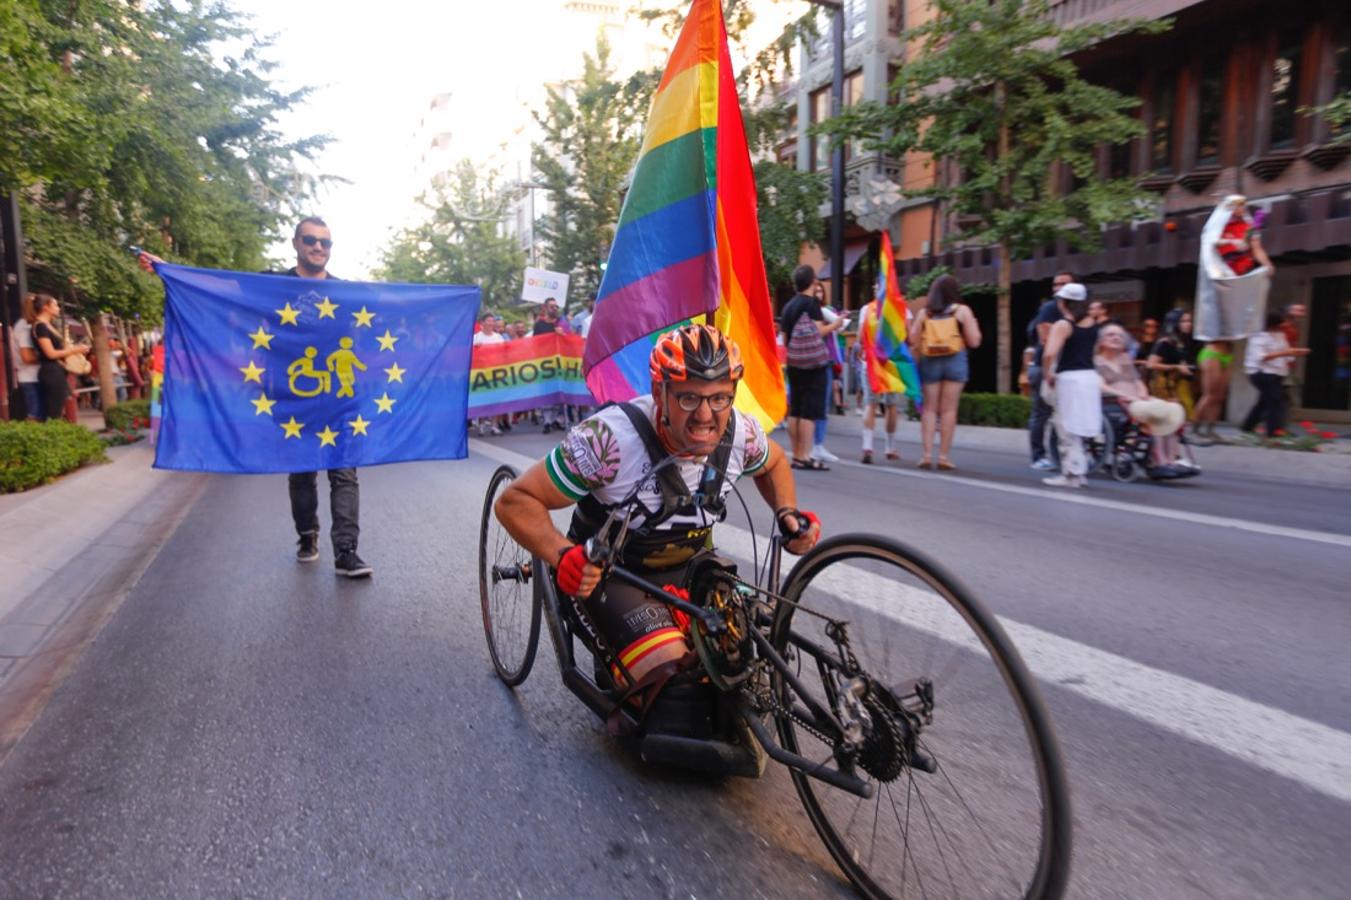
[{"x": 605, "y": 457}]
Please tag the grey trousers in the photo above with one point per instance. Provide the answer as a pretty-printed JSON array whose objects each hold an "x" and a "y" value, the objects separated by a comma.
[
  {"x": 343, "y": 499},
  {"x": 1041, "y": 414}
]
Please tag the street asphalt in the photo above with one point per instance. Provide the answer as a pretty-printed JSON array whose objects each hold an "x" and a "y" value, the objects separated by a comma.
[{"x": 249, "y": 726}]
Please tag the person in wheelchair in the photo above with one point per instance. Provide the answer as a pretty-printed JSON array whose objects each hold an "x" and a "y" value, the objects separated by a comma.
[
  {"x": 606, "y": 457},
  {"x": 1131, "y": 409}
]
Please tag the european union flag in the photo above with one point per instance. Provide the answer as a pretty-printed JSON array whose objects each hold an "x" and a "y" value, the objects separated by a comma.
[{"x": 268, "y": 373}]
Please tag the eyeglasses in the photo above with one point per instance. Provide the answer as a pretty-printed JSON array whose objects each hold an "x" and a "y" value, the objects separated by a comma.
[
  {"x": 310, "y": 240},
  {"x": 716, "y": 402}
]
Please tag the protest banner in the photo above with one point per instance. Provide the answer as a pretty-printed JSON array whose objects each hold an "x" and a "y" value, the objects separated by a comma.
[{"x": 527, "y": 373}]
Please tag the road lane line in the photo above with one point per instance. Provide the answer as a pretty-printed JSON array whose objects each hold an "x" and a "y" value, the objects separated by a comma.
[
  {"x": 1311, "y": 753},
  {"x": 1064, "y": 496}
]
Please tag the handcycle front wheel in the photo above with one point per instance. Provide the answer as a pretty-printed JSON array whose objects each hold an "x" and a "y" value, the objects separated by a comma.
[
  {"x": 970, "y": 797},
  {"x": 507, "y": 592}
]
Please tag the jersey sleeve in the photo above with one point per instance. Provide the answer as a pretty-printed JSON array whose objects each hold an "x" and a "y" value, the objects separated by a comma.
[
  {"x": 756, "y": 449},
  {"x": 587, "y": 459}
]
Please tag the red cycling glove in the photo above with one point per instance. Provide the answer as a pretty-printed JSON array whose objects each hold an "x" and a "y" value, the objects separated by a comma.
[{"x": 570, "y": 566}]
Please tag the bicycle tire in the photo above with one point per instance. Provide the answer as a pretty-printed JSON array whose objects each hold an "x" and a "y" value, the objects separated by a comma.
[
  {"x": 504, "y": 606},
  {"x": 1047, "y": 877}
]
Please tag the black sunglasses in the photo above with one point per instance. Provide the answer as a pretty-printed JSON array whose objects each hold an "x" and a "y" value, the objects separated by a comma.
[{"x": 310, "y": 240}]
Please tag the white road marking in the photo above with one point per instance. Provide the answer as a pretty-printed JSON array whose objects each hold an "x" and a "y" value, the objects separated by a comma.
[
  {"x": 1065, "y": 496},
  {"x": 1311, "y": 753}
]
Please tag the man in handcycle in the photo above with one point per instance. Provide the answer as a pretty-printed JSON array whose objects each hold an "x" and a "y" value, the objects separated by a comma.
[{"x": 606, "y": 457}]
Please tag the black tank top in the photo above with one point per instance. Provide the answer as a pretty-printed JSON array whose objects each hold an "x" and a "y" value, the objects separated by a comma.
[{"x": 1078, "y": 350}]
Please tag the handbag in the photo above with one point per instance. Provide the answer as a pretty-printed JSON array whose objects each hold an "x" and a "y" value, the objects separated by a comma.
[{"x": 76, "y": 364}]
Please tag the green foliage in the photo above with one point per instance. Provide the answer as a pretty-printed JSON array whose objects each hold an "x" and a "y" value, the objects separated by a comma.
[
  {"x": 1004, "y": 72},
  {"x": 126, "y": 416},
  {"x": 33, "y": 453},
  {"x": 997, "y": 410},
  {"x": 789, "y": 204},
  {"x": 150, "y": 124},
  {"x": 592, "y": 131},
  {"x": 918, "y": 286},
  {"x": 1337, "y": 112},
  {"x": 462, "y": 242}
]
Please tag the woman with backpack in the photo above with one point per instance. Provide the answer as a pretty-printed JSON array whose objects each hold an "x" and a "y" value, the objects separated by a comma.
[{"x": 941, "y": 334}]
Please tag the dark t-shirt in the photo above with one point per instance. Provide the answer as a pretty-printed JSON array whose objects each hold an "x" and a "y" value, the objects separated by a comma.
[
  {"x": 544, "y": 327},
  {"x": 1048, "y": 314},
  {"x": 1168, "y": 352},
  {"x": 796, "y": 307},
  {"x": 46, "y": 364}
]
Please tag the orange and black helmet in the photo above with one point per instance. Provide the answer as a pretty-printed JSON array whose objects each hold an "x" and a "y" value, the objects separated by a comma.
[{"x": 695, "y": 351}]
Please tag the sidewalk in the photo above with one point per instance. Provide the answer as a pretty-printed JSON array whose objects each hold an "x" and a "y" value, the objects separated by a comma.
[
  {"x": 71, "y": 551},
  {"x": 1331, "y": 466}
]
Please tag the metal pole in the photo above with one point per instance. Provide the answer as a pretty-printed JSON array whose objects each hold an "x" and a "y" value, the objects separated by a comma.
[{"x": 837, "y": 165}]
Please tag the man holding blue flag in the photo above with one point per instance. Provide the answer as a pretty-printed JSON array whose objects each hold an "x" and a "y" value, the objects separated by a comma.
[{"x": 265, "y": 375}]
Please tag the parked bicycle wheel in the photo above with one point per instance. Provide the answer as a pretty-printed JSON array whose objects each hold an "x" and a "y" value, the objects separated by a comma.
[
  {"x": 511, "y": 607},
  {"x": 970, "y": 797}
]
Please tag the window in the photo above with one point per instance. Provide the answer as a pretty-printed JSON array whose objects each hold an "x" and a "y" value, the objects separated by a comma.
[
  {"x": 1285, "y": 74},
  {"x": 1161, "y": 126},
  {"x": 1210, "y": 111},
  {"x": 1119, "y": 159},
  {"x": 820, "y": 111},
  {"x": 1341, "y": 61}
]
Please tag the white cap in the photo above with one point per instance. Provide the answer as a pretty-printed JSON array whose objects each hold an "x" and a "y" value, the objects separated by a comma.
[{"x": 1072, "y": 292}]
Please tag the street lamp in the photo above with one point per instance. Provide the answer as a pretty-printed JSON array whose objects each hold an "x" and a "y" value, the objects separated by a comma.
[{"x": 836, "y": 8}]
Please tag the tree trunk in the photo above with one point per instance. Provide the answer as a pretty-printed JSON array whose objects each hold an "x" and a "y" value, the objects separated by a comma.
[
  {"x": 1003, "y": 309},
  {"x": 98, "y": 334},
  {"x": 1004, "y": 295}
]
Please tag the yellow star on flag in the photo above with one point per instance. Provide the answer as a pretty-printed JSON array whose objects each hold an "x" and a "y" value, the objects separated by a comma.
[
  {"x": 327, "y": 438},
  {"x": 387, "y": 341},
  {"x": 358, "y": 425},
  {"x": 326, "y": 308},
  {"x": 363, "y": 317},
  {"x": 253, "y": 373},
  {"x": 261, "y": 339},
  {"x": 395, "y": 373},
  {"x": 263, "y": 405},
  {"x": 385, "y": 403},
  {"x": 289, "y": 315},
  {"x": 292, "y": 428}
]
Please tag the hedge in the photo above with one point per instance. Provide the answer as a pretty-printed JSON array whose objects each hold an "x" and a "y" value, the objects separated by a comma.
[
  {"x": 33, "y": 453},
  {"x": 124, "y": 416},
  {"x": 995, "y": 410}
]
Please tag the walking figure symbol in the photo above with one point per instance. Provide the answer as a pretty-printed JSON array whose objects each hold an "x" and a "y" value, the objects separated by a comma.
[{"x": 343, "y": 361}]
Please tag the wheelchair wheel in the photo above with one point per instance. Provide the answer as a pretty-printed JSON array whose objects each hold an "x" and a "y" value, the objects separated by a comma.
[
  {"x": 979, "y": 807},
  {"x": 511, "y": 608},
  {"x": 1124, "y": 468}
]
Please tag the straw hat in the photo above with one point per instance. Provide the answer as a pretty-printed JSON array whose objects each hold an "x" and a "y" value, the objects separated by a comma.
[{"x": 1161, "y": 417}]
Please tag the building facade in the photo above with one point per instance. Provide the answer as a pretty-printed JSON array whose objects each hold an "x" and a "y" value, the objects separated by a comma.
[{"x": 1224, "y": 95}]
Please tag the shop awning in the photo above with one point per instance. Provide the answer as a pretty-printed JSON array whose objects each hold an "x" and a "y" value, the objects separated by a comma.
[{"x": 853, "y": 252}]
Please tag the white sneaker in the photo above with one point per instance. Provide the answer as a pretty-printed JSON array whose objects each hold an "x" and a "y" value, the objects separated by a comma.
[
  {"x": 1044, "y": 465},
  {"x": 820, "y": 452},
  {"x": 859, "y": 412},
  {"x": 1069, "y": 481}
]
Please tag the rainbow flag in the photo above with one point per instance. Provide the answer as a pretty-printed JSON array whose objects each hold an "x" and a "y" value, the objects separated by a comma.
[
  {"x": 687, "y": 246},
  {"x": 891, "y": 368},
  {"x": 527, "y": 373}
]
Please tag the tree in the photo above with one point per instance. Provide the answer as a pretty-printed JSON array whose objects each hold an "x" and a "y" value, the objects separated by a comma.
[
  {"x": 125, "y": 124},
  {"x": 463, "y": 241},
  {"x": 1337, "y": 112},
  {"x": 995, "y": 95},
  {"x": 592, "y": 131}
]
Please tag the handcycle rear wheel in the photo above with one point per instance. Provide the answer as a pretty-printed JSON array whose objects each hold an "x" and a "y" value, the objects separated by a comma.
[
  {"x": 507, "y": 595},
  {"x": 991, "y": 815}
]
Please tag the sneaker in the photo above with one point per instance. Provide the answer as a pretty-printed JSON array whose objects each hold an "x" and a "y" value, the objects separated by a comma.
[
  {"x": 1069, "y": 481},
  {"x": 867, "y": 459},
  {"x": 1043, "y": 465},
  {"x": 820, "y": 452},
  {"x": 350, "y": 565},
  {"x": 309, "y": 547},
  {"x": 893, "y": 454}
]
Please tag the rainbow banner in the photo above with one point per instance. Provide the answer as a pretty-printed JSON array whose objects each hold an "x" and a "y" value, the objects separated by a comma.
[
  {"x": 156, "y": 391},
  {"x": 891, "y": 368},
  {"x": 527, "y": 373},
  {"x": 688, "y": 241}
]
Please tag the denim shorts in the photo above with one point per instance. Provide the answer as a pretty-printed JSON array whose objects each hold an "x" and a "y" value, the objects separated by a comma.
[{"x": 933, "y": 369}]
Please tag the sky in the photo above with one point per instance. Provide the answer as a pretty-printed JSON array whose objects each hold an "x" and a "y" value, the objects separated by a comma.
[{"x": 374, "y": 68}]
